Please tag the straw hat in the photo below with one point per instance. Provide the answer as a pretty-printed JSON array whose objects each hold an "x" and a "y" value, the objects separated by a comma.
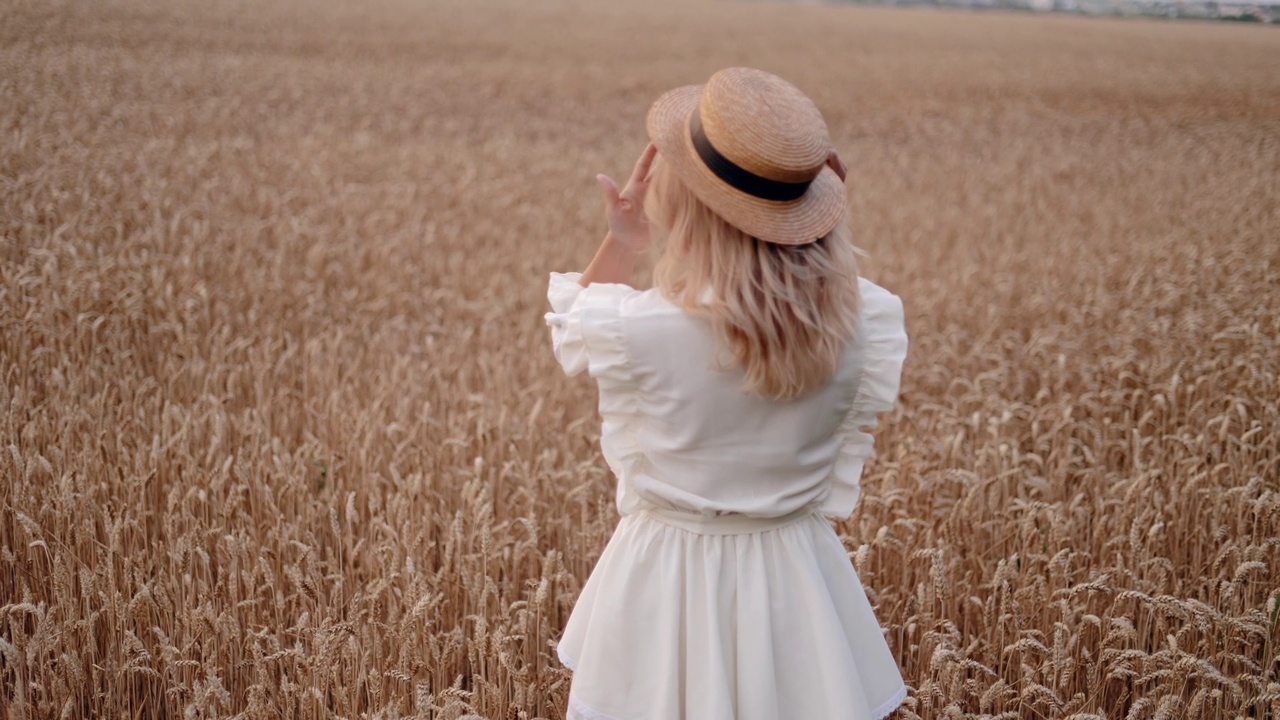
[{"x": 753, "y": 148}]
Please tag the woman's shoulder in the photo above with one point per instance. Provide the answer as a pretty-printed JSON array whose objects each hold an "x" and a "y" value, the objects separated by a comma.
[
  {"x": 650, "y": 303},
  {"x": 881, "y": 310},
  {"x": 874, "y": 294},
  {"x": 565, "y": 289}
]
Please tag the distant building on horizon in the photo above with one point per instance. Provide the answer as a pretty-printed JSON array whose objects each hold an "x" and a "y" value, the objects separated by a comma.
[{"x": 1261, "y": 11}]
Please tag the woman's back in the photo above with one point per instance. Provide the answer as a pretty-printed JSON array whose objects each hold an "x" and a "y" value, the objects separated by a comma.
[{"x": 683, "y": 435}]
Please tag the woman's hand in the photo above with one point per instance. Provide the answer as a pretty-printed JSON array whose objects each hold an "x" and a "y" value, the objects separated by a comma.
[
  {"x": 628, "y": 227},
  {"x": 625, "y": 210}
]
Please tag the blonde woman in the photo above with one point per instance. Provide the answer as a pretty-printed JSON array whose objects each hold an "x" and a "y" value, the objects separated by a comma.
[{"x": 735, "y": 397}]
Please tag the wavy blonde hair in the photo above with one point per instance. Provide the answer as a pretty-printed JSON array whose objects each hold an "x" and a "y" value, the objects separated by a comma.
[{"x": 782, "y": 313}]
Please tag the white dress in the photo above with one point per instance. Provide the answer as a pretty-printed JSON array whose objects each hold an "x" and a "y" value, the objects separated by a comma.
[{"x": 724, "y": 593}]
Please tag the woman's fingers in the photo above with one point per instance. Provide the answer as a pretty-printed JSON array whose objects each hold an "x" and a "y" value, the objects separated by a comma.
[
  {"x": 610, "y": 189},
  {"x": 836, "y": 164},
  {"x": 625, "y": 210},
  {"x": 641, "y": 172}
]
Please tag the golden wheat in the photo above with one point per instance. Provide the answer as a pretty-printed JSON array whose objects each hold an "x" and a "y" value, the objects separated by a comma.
[{"x": 281, "y": 435}]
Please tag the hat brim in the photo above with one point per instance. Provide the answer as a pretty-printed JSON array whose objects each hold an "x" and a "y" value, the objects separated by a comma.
[{"x": 791, "y": 222}]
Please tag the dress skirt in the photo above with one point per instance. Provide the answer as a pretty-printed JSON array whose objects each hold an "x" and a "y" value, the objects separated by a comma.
[{"x": 689, "y": 617}]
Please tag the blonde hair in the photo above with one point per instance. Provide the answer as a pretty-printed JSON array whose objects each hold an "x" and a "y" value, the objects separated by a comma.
[{"x": 784, "y": 314}]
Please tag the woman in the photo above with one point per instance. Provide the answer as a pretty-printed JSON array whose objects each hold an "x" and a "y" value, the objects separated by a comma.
[{"x": 734, "y": 396}]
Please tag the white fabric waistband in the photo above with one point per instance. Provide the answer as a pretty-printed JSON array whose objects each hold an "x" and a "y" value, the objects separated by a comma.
[{"x": 726, "y": 524}]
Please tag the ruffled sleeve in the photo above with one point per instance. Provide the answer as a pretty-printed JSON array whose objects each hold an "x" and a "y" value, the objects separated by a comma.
[
  {"x": 884, "y": 339},
  {"x": 587, "y": 334},
  {"x": 586, "y": 327}
]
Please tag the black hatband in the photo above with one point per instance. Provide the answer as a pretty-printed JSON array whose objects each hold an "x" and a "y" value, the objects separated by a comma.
[{"x": 739, "y": 177}]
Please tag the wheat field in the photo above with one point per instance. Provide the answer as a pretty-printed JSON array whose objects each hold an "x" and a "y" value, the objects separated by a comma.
[{"x": 281, "y": 433}]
